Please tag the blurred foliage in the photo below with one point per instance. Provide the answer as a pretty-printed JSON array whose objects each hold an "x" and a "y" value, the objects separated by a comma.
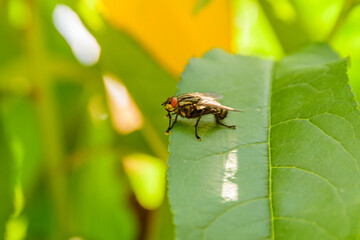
[
  {"x": 275, "y": 28},
  {"x": 6, "y": 179},
  {"x": 62, "y": 157}
]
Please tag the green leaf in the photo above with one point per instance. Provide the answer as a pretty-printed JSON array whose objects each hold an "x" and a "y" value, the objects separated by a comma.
[{"x": 291, "y": 168}]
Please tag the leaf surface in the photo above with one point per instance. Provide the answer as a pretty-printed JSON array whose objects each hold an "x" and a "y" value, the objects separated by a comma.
[{"x": 291, "y": 168}]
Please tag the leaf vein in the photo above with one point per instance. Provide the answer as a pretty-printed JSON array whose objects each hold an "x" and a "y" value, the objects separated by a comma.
[
  {"x": 299, "y": 84},
  {"x": 315, "y": 224},
  {"x": 231, "y": 208},
  {"x": 329, "y": 183},
  {"x": 325, "y": 133},
  {"x": 310, "y": 172},
  {"x": 337, "y": 142}
]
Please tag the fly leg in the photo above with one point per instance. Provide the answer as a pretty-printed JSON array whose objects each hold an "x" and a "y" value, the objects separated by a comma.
[
  {"x": 196, "y": 125},
  {"x": 171, "y": 125},
  {"x": 169, "y": 116},
  {"x": 218, "y": 122}
]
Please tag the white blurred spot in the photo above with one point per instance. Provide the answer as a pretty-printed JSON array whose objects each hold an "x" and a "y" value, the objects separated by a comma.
[
  {"x": 125, "y": 115},
  {"x": 229, "y": 191},
  {"x": 82, "y": 43}
]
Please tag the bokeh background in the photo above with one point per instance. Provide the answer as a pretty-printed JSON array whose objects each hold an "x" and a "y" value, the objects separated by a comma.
[{"x": 82, "y": 149}]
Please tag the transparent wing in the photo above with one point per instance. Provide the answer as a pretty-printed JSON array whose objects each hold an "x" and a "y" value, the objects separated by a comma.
[
  {"x": 213, "y": 95},
  {"x": 197, "y": 95},
  {"x": 212, "y": 103},
  {"x": 209, "y": 99}
]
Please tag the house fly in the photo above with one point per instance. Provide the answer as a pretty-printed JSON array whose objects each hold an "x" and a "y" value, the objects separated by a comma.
[{"x": 195, "y": 105}]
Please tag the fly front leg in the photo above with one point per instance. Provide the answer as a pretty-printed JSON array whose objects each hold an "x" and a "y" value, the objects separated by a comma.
[
  {"x": 196, "y": 125},
  {"x": 169, "y": 116},
  {"x": 171, "y": 125},
  {"x": 222, "y": 124}
]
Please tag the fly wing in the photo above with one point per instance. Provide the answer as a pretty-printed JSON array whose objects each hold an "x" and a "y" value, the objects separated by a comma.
[
  {"x": 197, "y": 95},
  {"x": 203, "y": 100},
  {"x": 213, "y": 95},
  {"x": 211, "y": 102}
]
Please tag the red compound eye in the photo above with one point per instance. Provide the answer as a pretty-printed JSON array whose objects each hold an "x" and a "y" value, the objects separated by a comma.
[{"x": 173, "y": 102}]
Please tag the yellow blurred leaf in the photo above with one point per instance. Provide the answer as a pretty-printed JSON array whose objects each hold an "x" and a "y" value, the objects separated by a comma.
[
  {"x": 171, "y": 30},
  {"x": 147, "y": 178}
]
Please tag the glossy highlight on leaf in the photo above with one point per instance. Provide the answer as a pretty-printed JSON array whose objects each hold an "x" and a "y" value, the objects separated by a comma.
[{"x": 291, "y": 168}]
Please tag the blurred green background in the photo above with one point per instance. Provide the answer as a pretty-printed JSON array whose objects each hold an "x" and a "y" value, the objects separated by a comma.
[{"x": 83, "y": 154}]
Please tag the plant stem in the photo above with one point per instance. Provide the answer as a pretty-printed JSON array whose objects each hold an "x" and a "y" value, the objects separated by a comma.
[
  {"x": 347, "y": 7},
  {"x": 53, "y": 151},
  {"x": 154, "y": 141}
]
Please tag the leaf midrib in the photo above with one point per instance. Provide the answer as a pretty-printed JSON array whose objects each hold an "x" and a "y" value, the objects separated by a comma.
[{"x": 272, "y": 230}]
